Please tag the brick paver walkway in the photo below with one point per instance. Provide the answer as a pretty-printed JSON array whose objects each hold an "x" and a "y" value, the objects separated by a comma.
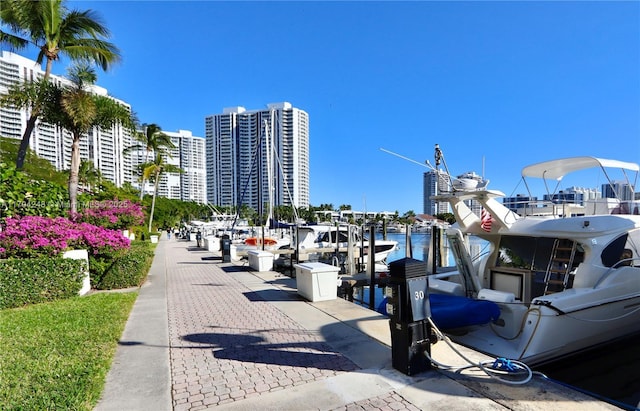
[
  {"x": 226, "y": 344},
  {"x": 232, "y": 345}
]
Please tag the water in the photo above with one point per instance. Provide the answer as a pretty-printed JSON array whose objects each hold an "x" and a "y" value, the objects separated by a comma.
[
  {"x": 419, "y": 245},
  {"x": 610, "y": 372}
]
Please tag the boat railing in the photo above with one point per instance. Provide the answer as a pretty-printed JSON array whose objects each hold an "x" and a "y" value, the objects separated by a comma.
[
  {"x": 527, "y": 208},
  {"x": 602, "y": 206}
]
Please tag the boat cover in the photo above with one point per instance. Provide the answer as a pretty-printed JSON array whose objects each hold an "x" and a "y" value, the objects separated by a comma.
[{"x": 452, "y": 311}]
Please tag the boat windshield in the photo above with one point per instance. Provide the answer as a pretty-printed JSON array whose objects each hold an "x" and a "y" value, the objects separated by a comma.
[
  {"x": 531, "y": 253},
  {"x": 330, "y": 237},
  {"x": 622, "y": 251}
]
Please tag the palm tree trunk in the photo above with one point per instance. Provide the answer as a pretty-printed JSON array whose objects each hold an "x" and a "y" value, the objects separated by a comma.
[
  {"x": 153, "y": 201},
  {"x": 141, "y": 188},
  {"x": 73, "y": 174},
  {"x": 146, "y": 160},
  {"x": 24, "y": 144},
  {"x": 31, "y": 123}
]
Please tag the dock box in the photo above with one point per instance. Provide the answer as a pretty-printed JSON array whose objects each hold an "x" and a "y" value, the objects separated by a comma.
[
  {"x": 212, "y": 243},
  {"x": 260, "y": 260},
  {"x": 317, "y": 281}
]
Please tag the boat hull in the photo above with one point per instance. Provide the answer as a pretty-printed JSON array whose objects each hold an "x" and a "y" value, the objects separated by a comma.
[{"x": 548, "y": 335}]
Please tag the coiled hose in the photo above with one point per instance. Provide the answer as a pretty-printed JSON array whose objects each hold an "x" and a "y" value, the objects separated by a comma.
[{"x": 502, "y": 369}]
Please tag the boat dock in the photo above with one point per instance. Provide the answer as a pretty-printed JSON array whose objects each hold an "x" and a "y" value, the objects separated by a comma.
[{"x": 207, "y": 334}]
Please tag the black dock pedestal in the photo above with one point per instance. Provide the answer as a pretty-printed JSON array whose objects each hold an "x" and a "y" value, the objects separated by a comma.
[{"x": 408, "y": 306}]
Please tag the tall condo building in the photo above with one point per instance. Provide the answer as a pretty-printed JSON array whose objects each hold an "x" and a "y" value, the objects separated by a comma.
[
  {"x": 102, "y": 147},
  {"x": 250, "y": 152},
  {"x": 189, "y": 156},
  {"x": 435, "y": 182}
]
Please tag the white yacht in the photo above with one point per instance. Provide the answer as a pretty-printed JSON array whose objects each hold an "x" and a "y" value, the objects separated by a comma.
[
  {"x": 322, "y": 241},
  {"x": 565, "y": 279}
]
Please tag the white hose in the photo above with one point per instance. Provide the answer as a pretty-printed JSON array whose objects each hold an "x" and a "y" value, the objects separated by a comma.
[{"x": 496, "y": 369}]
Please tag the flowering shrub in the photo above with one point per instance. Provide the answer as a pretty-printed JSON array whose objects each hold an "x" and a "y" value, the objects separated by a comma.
[
  {"x": 114, "y": 214},
  {"x": 33, "y": 236}
]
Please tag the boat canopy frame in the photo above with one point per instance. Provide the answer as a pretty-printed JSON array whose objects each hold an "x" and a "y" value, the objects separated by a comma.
[{"x": 557, "y": 169}]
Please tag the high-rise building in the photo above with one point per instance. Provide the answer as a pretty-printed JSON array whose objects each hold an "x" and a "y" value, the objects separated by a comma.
[
  {"x": 250, "y": 152},
  {"x": 188, "y": 154},
  {"x": 193, "y": 179},
  {"x": 621, "y": 190},
  {"x": 520, "y": 203},
  {"x": 435, "y": 182},
  {"x": 102, "y": 147}
]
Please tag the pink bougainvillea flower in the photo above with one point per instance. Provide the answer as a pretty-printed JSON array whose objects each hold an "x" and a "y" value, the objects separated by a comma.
[{"x": 32, "y": 236}]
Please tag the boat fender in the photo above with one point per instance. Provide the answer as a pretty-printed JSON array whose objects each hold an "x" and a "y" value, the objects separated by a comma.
[{"x": 496, "y": 296}]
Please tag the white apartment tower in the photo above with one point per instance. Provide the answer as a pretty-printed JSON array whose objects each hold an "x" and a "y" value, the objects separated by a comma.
[
  {"x": 102, "y": 147},
  {"x": 435, "y": 182},
  {"x": 241, "y": 169},
  {"x": 188, "y": 155}
]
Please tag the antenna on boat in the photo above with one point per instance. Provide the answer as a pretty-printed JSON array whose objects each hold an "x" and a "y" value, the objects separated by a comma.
[
  {"x": 439, "y": 157},
  {"x": 406, "y": 158},
  {"x": 483, "y": 167}
]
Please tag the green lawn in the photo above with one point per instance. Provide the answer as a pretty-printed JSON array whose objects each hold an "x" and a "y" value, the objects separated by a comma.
[{"x": 55, "y": 356}]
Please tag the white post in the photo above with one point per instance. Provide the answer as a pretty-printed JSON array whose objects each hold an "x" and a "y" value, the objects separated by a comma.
[{"x": 81, "y": 255}]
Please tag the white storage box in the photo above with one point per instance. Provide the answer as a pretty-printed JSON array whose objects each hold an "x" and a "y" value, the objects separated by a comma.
[
  {"x": 317, "y": 281},
  {"x": 212, "y": 243},
  {"x": 260, "y": 260}
]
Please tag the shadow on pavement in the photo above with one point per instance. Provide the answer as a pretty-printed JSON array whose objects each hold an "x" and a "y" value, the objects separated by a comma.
[
  {"x": 234, "y": 268},
  {"x": 271, "y": 295},
  {"x": 253, "y": 348}
]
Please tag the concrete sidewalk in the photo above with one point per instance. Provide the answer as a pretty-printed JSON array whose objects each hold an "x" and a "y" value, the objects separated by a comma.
[{"x": 205, "y": 334}]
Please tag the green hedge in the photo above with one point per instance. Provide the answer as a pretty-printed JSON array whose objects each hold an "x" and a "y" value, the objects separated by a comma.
[
  {"x": 37, "y": 280},
  {"x": 128, "y": 268},
  {"x": 142, "y": 234}
]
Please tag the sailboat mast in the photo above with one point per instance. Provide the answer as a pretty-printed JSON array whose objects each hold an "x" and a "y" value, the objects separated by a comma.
[{"x": 269, "y": 157}]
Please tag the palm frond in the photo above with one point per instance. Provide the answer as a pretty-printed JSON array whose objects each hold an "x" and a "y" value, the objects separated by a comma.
[{"x": 14, "y": 42}]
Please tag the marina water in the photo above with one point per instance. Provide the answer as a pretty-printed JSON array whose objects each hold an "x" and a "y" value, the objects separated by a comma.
[{"x": 610, "y": 373}]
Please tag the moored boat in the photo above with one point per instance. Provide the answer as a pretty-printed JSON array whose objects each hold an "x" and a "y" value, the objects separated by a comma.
[
  {"x": 324, "y": 241},
  {"x": 565, "y": 280}
]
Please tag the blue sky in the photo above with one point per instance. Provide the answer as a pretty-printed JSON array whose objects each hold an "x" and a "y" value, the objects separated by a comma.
[{"x": 498, "y": 85}]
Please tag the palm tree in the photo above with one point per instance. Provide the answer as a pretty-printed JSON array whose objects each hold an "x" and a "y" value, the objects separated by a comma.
[
  {"x": 152, "y": 139},
  {"x": 77, "y": 110},
  {"x": 88, "y": 175},
  {"x": 54, "y": 31},
  {"x": 153, "y": 171}
]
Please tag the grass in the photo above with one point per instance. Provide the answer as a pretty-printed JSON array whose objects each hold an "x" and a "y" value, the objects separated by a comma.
[{"x": 56, "y": 356}]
